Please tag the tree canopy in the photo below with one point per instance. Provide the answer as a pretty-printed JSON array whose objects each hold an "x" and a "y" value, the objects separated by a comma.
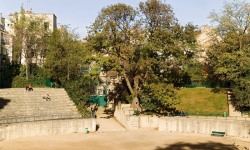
[
  {"x": 229, "y": 57},
  {"x": 29, "y": 39},
  {"x": 145, "y": 45}
]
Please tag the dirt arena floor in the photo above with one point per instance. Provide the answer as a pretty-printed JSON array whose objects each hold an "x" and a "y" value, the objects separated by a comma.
[{"x": 144, "y": 139}]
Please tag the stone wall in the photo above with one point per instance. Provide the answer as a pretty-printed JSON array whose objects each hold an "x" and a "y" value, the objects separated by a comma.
[
  {"x": 124, "y": 114},
  {"x": 50, "y": 127},
  {"x": 148, "y": 121},
  {"x": 235, "y": 128}
]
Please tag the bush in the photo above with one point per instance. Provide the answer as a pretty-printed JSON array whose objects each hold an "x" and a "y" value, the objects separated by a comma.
[
  {"x": 21, "y": 82},
  {"x": 80, "y": 96}
]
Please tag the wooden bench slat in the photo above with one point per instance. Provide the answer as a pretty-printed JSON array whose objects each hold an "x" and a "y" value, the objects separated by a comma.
[{"x": 218, "y": 133}]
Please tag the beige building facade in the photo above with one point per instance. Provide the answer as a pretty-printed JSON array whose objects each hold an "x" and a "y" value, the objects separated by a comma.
[
  {"x": 204, "y": 40},
  {"x": 49, "y": 22}
]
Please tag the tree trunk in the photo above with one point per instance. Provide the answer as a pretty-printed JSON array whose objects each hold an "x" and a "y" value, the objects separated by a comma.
[
  {"x": 128, "y": 84},
  {"x": 27, "y": 68},
  {"x": 68, "y": 71},
  {"x": 135, "y": 103}
]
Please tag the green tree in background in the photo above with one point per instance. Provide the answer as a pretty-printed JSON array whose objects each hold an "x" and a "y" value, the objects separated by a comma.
[
  {"x": 29, "y": 39},
  {"x": 229, "y": 57},
  {"x": 112, "y": 34},
  {"x": 147, "y": 47},
  {"x": 65, "y": 65},
  {"x": 65, "y": 55},
  {"x": 172, "y": 46}
]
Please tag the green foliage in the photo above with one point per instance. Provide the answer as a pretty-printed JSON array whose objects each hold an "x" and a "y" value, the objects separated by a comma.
[
  {"x": 21, "y": 82},
  {"x": 121, "y": 93},
  {"x": 67, "y": 64},
  {"x": 65, "y": 55},
  {"x": 29, "y": 38},
  {"x": 169, "y": 60},
  {"x": 228, "y": 57},
  {"x": 146, "y": 47},
  {"x": 159, "y": 97},
  {"x": 8, "y": 73},
  {"x": 241, "y": 90},
  {"x": 37, "y": 78},
  {"x": 77, "y": 91}
]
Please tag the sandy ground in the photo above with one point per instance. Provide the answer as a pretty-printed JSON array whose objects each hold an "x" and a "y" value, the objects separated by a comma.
[{"x": 144, "y": 139}]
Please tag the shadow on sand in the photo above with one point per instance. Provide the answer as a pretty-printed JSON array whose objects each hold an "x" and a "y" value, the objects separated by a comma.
[
  {"x": 3, "y": 102},
  {"x": 198, "y": 146}
]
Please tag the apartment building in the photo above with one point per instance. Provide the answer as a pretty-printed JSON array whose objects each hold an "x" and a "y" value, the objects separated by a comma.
[
  {"x": 1, "y": 30},
  {"x": 205, "y": 38},
  {"x": 2, "y": 50},
  {"x": 49, "y": 22},
  {"x": 2, "y": 41}
]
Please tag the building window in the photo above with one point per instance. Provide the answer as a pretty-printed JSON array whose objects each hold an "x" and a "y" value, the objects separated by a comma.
[{"x": 46, "y": 25}]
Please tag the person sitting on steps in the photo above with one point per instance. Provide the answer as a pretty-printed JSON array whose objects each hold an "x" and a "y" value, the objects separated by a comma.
[
  {"x": 29, "y": 87},
  {"x": 47, "y": 98}
]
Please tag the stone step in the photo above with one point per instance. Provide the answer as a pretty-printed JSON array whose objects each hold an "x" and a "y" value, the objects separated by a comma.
[
  {"x": 17, "y": 107},
  {"x": 23, "y": 103}
]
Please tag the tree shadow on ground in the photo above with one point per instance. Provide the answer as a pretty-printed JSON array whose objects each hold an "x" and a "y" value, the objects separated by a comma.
[
  {"x": 3, "y": 102},
  {"x": 198, "y": 146}
]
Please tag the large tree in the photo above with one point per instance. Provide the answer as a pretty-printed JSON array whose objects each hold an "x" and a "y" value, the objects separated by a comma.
[
  {"x": 65, "y": 55},
  {"x": 173, "y": 45},
  {"x": 228, "y": 57},
  {"x": 29, "y": 38},
  {"x": 115, "y": 33},
  {"x": 66, "y": 65},
  {"x": 144, "y": 46},
  {"x": 171, "y": 48}
]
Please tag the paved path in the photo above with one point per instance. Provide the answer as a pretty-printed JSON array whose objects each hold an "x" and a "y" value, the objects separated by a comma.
[{"x": 106, "y": 122}]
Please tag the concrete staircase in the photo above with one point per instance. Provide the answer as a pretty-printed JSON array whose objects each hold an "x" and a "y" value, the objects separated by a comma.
[
  {"x": 106, "y": 122},
  {"x": 22, "y": 105},
  {"x": 232, "y": 111}
]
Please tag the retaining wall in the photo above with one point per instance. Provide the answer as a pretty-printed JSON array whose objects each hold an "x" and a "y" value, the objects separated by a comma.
[
  {"x": 50, "y": 127},
  {"x": 235, "y": 128}
]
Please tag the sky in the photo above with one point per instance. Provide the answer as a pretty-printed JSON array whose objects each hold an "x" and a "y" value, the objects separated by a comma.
[{"x": 79, "y": 14}]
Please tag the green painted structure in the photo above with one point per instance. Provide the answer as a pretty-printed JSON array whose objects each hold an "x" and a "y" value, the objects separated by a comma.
[{"x": 100, "y": 100}]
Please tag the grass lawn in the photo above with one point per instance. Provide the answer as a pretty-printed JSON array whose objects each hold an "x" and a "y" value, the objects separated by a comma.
[{"x": 205, "y": 101}]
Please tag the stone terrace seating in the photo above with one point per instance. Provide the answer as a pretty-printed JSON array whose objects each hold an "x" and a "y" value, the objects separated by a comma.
[{"x": 21, "y": 105}]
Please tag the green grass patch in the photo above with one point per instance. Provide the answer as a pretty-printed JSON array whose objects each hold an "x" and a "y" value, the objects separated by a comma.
[{"x": 204, "y": 101}]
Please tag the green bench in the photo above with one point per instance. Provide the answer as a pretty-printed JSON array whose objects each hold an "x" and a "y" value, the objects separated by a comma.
[{"x": 217, "y": 133}]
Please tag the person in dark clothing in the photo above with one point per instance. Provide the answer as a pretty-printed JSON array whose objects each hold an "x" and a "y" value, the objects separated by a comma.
[{"x": 29, "y": 87}]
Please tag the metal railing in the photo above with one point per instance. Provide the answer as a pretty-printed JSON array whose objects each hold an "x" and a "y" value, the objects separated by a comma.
[
  {"x": 32, "y": 118},
  {"x": 219, "y": 116}
]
